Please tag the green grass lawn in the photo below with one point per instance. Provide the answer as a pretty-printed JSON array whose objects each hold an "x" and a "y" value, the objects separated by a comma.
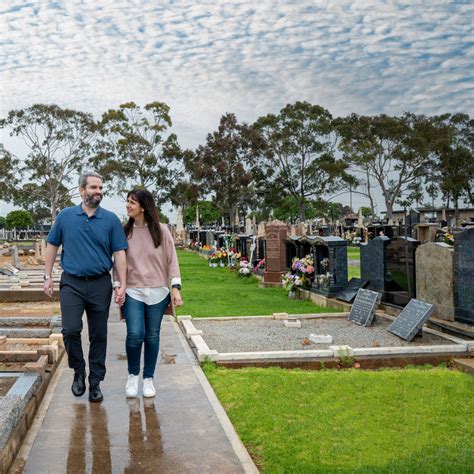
[
  {"x": 353, "y": 253},
  {"x": 294, "y": 421},
  {"x": 220, "y": 292}
]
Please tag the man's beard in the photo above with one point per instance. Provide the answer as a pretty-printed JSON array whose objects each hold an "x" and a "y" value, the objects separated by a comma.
[{"x": 91, "y": 201}]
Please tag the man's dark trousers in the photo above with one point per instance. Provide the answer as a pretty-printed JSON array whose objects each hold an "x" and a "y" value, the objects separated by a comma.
[{"x": 92, "y": 296}]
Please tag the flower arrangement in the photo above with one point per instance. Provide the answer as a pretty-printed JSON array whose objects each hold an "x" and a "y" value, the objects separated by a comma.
[
  {"x": 323, "y": 278},
  {"x": 221, "y": 257},
  {"x": 234, "y": 258},
  {"x": 213, "y": 259},
  {"x": 449, "y": 239},
  {"x": 245, "y": 269},
  {"x": 300, "y": 274}
]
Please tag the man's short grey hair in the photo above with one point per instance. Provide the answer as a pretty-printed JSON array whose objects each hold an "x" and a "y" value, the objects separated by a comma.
[{"x": 85, "y": 175}]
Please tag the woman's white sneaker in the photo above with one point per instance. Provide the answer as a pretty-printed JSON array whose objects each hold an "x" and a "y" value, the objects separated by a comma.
[
  {"x": 148, "y": 388},
  {"x": 131, "y": 389}
]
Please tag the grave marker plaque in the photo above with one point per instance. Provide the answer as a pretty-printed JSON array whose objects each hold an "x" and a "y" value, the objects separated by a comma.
[
  {"x": 348, "y": 294},
  {"x": 410, "y": 321},
  {"x": 363, "y": 309}
]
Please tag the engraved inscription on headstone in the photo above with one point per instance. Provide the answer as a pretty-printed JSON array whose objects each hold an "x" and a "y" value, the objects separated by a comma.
[
  {"x": 348, "y": 294},
  {"x": 363, "y": 309},
  {"x": 410, "y": 321}
]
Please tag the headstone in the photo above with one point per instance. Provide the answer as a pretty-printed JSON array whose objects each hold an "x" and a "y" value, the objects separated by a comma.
[
  {"x": 464, "y": 277},
  {"x": 348, "y": 294},
  {"x": 400, "y": 283},
  {"x": 426, "y": 232},
  {"x": 43, "y": 247},
  {"x": 363, "y": 309},
  {"x": 254, "y": 225},
  {"x": 197, "y": 223},
  {"x": 179, "y": 219},
  {"x": 410, "y": 321},
  {"x": 248, "y": 226},
  {"x": 275, "y": 264},
  {"x": 435, "y": 277},
  {"x": 330, "y": 262},
  {"x": 373, "y": 265},
  {"x": 360, "y": 220},
  {"x": 261, "y": 229},
  {"x": 16, "y": 256}
]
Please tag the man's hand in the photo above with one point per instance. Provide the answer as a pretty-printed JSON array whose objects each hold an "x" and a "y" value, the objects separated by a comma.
[
  {"x": 176, "y": 296},
  {"x": 119, "y": 295},
  {"x": 48, "y": 287}
]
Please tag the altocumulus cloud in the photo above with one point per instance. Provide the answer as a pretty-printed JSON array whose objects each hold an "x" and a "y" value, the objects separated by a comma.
[{"x": 210, "y": 57}]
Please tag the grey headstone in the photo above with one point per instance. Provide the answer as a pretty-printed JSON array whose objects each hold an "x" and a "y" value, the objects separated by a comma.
[
  {"x": 410, "y": 321},
  {"x": 363, "y": 309}
]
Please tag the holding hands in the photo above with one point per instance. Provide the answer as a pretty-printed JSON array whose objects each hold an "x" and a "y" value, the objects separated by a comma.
[
  {"x": 119, "y": 295},
  {"x": 176, "y": 297}
]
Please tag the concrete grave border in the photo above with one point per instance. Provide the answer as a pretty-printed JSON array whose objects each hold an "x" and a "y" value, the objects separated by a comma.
[
  {"x": 18, "y": 407},
  {"x": 333, "y": 354}
]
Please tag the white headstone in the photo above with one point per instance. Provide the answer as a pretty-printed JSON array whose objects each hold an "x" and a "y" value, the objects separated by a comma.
[
  {"x": 179, "y": 219},
  {"x": 248, "y": 226},
  {"x": 198, "y": 225}
]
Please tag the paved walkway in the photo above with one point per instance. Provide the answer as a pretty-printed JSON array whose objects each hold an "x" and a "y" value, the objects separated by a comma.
[{"x": 183, "y": 430}]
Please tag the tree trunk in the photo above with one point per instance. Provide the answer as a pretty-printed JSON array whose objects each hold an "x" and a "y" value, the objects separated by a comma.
[
  {"x": 302, "y": 211},
  {"x": 389, "y": 205}
]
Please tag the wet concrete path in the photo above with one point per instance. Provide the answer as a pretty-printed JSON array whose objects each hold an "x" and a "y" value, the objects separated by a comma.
[{"x": 182, "y": 430}]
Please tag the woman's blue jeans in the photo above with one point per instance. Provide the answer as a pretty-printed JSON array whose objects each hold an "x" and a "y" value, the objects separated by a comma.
[{"x": 143, "y": 326}]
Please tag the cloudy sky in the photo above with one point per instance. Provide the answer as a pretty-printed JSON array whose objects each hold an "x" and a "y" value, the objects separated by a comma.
[{"x": 205, "y": 58}]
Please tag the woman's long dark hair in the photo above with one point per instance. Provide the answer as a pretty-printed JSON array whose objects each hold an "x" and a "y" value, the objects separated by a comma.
[{"x": 145, "y": 199}]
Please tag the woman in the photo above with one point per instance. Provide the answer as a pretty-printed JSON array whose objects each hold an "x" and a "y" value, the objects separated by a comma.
[{"x": 151, "y": 264}]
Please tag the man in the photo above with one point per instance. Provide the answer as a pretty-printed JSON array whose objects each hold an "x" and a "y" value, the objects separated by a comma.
[{"x": 89, "y": 236}]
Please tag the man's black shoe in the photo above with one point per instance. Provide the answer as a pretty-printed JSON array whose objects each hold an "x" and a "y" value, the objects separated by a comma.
[
  {"x": 78, "y": 386},
  {"x": 95, "y": 395}
]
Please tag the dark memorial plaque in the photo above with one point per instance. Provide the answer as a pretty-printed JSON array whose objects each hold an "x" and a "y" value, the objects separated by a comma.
[
  {"x": 348, "y": 294},
  {"x": 363, "y": 309},
  {"x": 410, "y": 321}
]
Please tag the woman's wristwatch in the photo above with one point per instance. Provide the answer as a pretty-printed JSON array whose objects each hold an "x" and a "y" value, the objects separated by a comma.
[{"x": 176, "y": 286}]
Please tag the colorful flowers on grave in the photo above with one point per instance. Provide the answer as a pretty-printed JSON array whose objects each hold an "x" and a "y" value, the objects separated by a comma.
[
  {"x": 449, "y": 239},
  {"x": 245, "y": 269},
  {"x": 300, "y": 275}
]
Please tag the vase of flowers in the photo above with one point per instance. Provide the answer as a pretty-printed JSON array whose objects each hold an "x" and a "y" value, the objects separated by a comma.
[
  {"x": 299, "y": 277},
  {"x": 245, "y": 270}
]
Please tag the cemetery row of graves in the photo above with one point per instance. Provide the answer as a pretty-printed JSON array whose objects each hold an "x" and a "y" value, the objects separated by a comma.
[{"x": 399, "y": 268}]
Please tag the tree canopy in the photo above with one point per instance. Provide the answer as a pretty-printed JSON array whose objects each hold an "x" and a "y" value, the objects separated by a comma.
[
  {"x": 395, "y": 151},
  {"x": 297, "y": 149},
  {"x": 20, "y": 219},
  {"x": 137, "y": 149},
  {"x": 59, "y": 143},
  {"x": 222, "y": 166}
]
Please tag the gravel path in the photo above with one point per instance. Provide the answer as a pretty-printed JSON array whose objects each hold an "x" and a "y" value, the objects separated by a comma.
[{"x": 252, "y": 335}]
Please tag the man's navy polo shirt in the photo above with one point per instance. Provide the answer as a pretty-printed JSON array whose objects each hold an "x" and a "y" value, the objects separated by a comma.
[{"x": 88, "y": 242}]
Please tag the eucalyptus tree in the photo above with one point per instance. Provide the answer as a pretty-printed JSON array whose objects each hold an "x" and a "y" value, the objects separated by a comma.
[
  {"x": 223, "y": 166},
  {"x": 397, "y": 152},
  {"x": 9, "y": 177},
  {"x": 297, "y": 148},
  {"x": 136, "y": 149},
  {"x": 59, "y": 143},
  {"x": 454, "y": 168}
]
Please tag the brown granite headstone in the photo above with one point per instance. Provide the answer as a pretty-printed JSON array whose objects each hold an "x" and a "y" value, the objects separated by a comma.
[{"x": 275, "y": 259}]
